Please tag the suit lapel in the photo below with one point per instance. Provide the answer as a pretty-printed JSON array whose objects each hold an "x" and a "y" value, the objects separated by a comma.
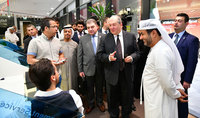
[
  {"x": 182, "y": 39},
  {"x": 124, "y": 39}
]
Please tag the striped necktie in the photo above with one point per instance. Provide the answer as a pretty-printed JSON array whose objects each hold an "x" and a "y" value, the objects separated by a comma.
[{"x": 176, "y": 39}]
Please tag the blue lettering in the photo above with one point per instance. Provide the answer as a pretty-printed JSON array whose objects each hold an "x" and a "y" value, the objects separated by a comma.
[
  {"x": 2, "y": 104},
  {"x": 7, "y": 105}
]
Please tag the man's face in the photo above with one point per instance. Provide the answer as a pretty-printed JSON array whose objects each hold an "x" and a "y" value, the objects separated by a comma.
[
  {"x": 31, "y": 31},
  {"x": 67, "y": 33},
  {"x": 180, "y": 24},
  {"x": 80, "y": 27},
  {"x": 58, "y": 24},
  {"x": 114, "y": 26},
  {"x": 52, "y": 29},
  {"x": 147, "y": 39},
  {"x": 74, "y": 27},
  {"x": 11, "y": 30},
  {"x": 92, "y": 28}
]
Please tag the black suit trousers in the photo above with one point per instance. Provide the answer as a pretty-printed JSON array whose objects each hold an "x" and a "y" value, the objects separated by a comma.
[
  {"x": 183, "y": 108},
  {"x": 94, "y": 89},
  {"x": 119, "y": 95}
]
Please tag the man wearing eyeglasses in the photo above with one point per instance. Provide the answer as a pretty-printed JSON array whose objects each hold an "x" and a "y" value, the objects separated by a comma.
[{"x": 46, "y": 45}]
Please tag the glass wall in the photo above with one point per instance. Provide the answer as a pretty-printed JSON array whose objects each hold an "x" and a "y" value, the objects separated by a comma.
[{"x": 166, "y": 11}]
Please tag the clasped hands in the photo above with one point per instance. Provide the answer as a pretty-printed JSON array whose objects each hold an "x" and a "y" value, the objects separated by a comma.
[
  {"x": 112, "y": 57},
  {"x": 183, "y": 95}
]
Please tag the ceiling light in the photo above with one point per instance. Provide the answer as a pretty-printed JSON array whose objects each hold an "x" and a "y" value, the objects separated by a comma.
[{"x": 52, "y": 8}]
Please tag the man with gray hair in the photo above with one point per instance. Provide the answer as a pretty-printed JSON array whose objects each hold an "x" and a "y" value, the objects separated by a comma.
[
  {"x": 161, "y": 75},
  {"x": 118, "y": 51},
  {"x": 90, "y": 67}
]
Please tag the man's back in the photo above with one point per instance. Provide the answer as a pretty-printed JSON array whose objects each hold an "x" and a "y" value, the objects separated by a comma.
[{"x": 61, "y": 104}]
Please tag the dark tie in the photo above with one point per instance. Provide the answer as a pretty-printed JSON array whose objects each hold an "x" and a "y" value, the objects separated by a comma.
[
  {"x": 80, "y": 33},
  {"x": 176, "y": 39},
  {"x": 105, "y": 32},
  {"x": 119, "y": 49},
  {"x": 57, "y": 36}
]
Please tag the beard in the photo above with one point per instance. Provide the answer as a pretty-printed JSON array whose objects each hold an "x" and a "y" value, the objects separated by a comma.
[{"x": 148, "y": 41}]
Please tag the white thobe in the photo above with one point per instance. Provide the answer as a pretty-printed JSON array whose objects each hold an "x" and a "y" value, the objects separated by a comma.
[
  {"x": 13, "y": 38},
  {"x": 69, "y": 69},
  {"x": 160, "y": 90}
]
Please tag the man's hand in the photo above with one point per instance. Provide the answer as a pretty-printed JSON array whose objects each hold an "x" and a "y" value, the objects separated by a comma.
[
  {"x": 183, "y": 95},
  {"x": 82, "y": 74},
  {"x": 128, "y": 59},
  {"x": 186, "y": 85},
  {"x": 112, "y": 56},
  {"x": 59, "y": 62}
]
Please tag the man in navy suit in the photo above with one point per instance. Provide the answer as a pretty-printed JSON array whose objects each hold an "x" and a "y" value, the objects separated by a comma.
[
  {"x": 80, "y": 31},
  {"x": 188, "y": 46}
]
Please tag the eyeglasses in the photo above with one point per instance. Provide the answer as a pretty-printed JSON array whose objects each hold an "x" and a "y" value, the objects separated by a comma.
[{"x": 55, "y": 26}]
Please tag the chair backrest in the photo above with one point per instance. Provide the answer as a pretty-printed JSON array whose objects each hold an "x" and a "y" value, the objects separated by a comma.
[{"x": 28, "y": 82}]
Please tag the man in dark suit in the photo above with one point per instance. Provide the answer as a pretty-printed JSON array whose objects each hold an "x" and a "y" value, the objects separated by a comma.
[
  {"x": 90, "y": 67},
  {"x": 80, "y": 31},
  {"x": 32, "y": 31},
  {"x": 119, "y": 52},
  {"x": 188, "y": 46},
  {"x": 105, "y": 28}
]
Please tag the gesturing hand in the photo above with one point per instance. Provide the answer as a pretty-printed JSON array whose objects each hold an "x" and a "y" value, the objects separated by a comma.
[{"x": 112, "y": 56}]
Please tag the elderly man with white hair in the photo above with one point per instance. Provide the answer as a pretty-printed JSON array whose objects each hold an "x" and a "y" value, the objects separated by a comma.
[
  {"x": 161, "y": 76},
  {"x": 69, "y": 69}
]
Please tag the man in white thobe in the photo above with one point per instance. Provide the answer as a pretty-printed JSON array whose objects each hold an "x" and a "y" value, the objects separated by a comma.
[
  {"x": 11, "y": 36},
  {"x": 69, "y": 69},
  {"x": 161, "y": 76}
]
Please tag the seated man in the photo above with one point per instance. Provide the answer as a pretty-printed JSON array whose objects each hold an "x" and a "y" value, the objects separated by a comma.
[{"x": 49, "y": 100}]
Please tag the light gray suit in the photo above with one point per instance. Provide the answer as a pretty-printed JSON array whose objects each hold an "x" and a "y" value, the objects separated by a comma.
[{"x": 92, "y": 68}]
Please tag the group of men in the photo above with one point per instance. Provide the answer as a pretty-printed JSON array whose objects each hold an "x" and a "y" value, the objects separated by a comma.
[{"x": 95, "y": 56}]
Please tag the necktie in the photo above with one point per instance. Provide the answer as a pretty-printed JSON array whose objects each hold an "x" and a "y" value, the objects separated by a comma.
[
  {"x": 119, "y": 49},
  {"x": 57, "y": 36},
  {"x": 80, "y": 33},
  {"x": 94, "y": 44},
  {"x": 176, "y": 39},
  {"x": 105, "y": 32}
]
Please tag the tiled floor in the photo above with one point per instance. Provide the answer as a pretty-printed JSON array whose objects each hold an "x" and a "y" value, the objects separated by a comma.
[{"x": 139, "y": 113}]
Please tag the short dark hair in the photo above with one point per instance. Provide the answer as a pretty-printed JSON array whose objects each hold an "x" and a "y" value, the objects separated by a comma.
[
  {"x": 30, "y": 25},
  {"x": 46, "y": 22},
  {"x": 184, "y": 15},
  {"x": 80, "y": 22},
  {"x": 56, "y": 19},
  {"x": 150, "y": 30},
  {"x": 41, "y": 72}
]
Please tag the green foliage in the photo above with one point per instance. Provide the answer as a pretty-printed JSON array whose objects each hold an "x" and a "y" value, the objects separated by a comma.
[{"x": 100, "y": 12}]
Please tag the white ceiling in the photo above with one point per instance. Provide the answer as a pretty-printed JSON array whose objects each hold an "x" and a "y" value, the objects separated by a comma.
[{"x": 34, "y": 8}]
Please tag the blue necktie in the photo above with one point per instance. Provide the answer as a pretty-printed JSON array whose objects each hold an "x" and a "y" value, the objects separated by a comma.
[
  {"x": 94, "y": 43},
  {"x": 176, "y": 39},
  {"x": 105, "y": 32}
]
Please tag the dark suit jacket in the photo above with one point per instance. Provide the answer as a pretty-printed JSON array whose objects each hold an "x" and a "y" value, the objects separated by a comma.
[
  {"x": 86, "y": 58},
  {"x": 75, "y": 37},
  {"x": 26, "y": 43},
  {"x": 111, "y": 69},
  {"x": 188, "y": 47}
]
